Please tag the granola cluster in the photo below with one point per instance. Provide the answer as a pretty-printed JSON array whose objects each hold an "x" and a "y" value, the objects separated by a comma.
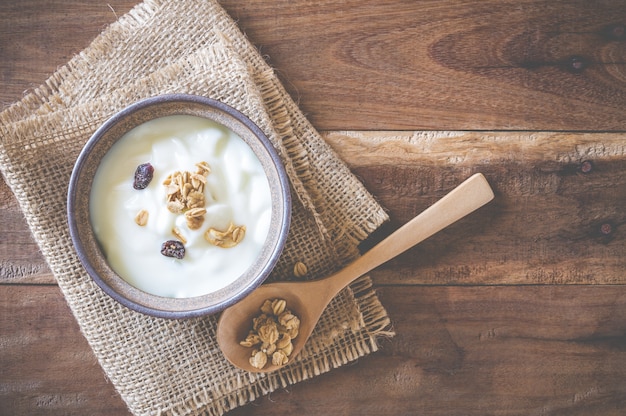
[
  {"x": 272, "y": 333},
  {"x": 184, "y": 192},
  {"x": 226, "y": 239}
]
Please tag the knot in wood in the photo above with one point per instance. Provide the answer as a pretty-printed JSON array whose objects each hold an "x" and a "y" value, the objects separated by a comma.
[
  {"x": 615, "y": 32},
  {"x": 576, "y": 64},
  {"x": 586, "y": 166}
]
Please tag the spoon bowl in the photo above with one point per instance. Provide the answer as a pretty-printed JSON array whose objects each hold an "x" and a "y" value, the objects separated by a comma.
[{"x": 307, "y": 300}]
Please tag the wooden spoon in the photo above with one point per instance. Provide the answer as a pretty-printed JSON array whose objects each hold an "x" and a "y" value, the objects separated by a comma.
[{"x": 307, "y": 300}]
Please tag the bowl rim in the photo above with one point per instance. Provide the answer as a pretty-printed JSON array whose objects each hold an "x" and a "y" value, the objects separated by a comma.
[{"x": 116, "y": 287}]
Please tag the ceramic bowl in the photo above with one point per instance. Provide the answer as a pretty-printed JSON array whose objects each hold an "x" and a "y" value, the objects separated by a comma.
[{"x": 89, "y": 249}]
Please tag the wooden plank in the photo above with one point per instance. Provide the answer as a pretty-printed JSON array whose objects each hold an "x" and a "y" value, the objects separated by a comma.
[
  {"x": 554, "y": 194},
  {"x": 371, "y": 65},
  {"x": 20, "y": 258},
  {"x": 447, "y": 65},
  {"x": 544, "y": 227},
  {"x": 481, "y": 351},
  {"x": 544, "y": 350},
  {"x": 46, "y": 366}
]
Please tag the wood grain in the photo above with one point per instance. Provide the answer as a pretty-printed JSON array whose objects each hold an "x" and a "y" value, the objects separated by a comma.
[
  {"x": 371, "y": 65},
  {"x": 46, "y": 366},
  {"x": 20, "y": 258},
  {"x": 542, "y": 350},
  {"x": 447, "y": 65},
  {"x": 554, "y": 193},
  {"x": 481, "y": 351},
  {"x": 544, "y": 227},
  {"x": 517, "y": 309}
]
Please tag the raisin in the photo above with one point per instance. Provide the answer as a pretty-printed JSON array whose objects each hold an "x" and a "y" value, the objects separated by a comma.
[
  {"x": 173, "y": 248},
  {"x": 143, "y": 176}
]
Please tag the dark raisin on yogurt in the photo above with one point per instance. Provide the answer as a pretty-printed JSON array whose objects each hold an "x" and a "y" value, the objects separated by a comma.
[
  {"x": 143, "y": 176},
  {"x": 173, "y": 248}
]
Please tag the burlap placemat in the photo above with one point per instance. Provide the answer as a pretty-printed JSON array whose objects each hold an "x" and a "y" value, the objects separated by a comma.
[{"x": 188, "y": 46}]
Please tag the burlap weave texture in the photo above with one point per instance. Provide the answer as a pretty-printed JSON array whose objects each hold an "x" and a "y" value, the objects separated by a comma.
[{"x": 191, "y": 46}]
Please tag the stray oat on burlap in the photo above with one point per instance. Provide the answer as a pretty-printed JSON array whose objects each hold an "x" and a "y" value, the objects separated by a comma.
[{"x": 189, "y": 46}]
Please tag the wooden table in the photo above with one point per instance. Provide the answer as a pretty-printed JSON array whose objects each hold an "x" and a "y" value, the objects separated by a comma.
[{"x": 519, "y": 309}]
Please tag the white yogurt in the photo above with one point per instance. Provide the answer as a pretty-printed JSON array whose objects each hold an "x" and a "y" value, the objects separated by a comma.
[{"x": 237, "y": 191}]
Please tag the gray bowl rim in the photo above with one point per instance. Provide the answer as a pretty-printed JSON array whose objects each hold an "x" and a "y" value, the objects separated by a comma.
[{"x": 264, "y": 272}]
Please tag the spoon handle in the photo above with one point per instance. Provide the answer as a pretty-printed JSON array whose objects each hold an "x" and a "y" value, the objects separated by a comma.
[{"x": 461, "y": 201}]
